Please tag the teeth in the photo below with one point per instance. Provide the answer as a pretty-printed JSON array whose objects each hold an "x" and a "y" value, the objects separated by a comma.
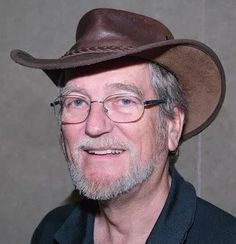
[{"x": 104, "y": 152}]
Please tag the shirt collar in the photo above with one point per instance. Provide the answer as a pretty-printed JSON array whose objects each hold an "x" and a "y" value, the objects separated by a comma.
[
  {"x": 178, "y": 213},
  {"x": 78, "y": 227},
  {"x": 172, "y": 226}
]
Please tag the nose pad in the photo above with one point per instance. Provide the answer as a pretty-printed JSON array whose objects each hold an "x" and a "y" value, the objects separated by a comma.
[{"x": 105, "y": 110}]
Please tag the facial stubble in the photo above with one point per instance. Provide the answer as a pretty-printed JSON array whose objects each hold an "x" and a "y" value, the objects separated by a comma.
[{"x": 103, "y": 188}]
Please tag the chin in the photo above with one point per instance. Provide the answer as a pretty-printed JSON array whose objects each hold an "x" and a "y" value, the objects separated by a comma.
[
  {"x": 101, "y": 180},
  {"x": 100, "y": 184},
  {"x": 99, "y": 189}
]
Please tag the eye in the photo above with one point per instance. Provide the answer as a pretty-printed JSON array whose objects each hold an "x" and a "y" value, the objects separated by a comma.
[
  {"x": 122, "y": 101},
  {"x": 75, "y": 102},
  {"x": 125, "y": 101}
]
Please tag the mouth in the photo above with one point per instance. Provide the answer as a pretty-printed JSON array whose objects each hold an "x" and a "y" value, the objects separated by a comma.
[{"x": 103, "y": 151}]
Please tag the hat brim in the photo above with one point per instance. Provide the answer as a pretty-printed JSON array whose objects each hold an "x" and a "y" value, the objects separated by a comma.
[{"x": 195, "y": 65}]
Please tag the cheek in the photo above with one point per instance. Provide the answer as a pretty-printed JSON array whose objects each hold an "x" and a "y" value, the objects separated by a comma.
[
  {"x": 72, "y": 132},
  {"x": 149, "y": 142},
  {"x": 72, "y": 135},
  {"x": 153, "y": 142},
  {"x": 144, "y": 137}
]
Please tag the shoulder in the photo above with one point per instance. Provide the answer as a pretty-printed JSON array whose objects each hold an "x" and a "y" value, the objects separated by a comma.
[
  {"x": 212, "y": 225},
  {"x": 51, "y": 223},
  {"x": 63, "y": 220}
]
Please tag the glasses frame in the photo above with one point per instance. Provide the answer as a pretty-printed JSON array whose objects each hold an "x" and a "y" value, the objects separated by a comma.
[{"x": 146, "y": 104}]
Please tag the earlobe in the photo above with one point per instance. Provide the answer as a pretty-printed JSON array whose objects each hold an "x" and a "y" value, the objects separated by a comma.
[{"x": 175, "y": 127}]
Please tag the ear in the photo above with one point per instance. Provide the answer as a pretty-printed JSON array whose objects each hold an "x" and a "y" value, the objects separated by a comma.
[{"x": 174, "y": 128}]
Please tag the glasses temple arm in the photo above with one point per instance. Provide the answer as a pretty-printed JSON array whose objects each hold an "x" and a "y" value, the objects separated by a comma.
[{"x": 154, "y": 102}]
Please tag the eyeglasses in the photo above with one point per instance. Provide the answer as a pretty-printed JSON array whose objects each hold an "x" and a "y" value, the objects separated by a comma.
[{"x": 120, "y": 108}]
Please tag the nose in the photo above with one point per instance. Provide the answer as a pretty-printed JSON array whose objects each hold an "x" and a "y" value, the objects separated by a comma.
[{"x": 97, "y": 123}]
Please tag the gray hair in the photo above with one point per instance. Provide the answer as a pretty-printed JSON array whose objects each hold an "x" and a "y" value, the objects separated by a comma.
[{"x": 166, "y": 86}]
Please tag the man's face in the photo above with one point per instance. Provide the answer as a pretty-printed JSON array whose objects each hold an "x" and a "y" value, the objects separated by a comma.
[{"x": 107, "y": 158}]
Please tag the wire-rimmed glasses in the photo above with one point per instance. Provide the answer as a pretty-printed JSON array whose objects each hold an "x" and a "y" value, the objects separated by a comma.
[{"x": 120, "y": 108}]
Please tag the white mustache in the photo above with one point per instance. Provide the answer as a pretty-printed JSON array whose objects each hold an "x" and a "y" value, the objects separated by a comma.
[{"x": 103, "y": 142}]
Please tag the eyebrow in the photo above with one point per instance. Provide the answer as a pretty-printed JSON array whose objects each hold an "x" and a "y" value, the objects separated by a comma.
[
  {"x": 114, "y": 86},
  {"x": 125, "y": 87},
  {"x": 68, "y": 89}
]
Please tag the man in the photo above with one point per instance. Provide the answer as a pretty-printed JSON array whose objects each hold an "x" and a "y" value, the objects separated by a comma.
[{"x": 129, "y": 95}]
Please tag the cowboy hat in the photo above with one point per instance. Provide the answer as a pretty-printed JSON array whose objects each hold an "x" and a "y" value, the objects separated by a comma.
[{"x": 108, "y": 34}]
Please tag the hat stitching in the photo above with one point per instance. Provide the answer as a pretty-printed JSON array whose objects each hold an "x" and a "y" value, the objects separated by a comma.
[{"x": 96, "y": 49}]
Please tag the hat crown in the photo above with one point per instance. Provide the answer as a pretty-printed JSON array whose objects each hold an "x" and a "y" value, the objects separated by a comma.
[{"x": 110, "y": 27}]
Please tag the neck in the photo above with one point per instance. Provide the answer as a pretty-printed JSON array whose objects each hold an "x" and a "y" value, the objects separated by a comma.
[{"x": 131, "y": 217}]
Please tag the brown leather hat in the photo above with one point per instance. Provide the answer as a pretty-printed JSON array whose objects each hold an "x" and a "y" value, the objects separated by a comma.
[{"x": 108, "y": 34}]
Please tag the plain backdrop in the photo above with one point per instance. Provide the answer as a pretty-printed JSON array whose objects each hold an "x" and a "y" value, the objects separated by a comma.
[{"x": 33, "y": 173}]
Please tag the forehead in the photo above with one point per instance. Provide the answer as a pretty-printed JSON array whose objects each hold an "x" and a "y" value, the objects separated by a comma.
[{"x": 108, "y": 77}]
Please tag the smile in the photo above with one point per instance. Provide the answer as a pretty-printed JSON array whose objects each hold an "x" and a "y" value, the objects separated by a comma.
[{"x": 104, "y": 151}]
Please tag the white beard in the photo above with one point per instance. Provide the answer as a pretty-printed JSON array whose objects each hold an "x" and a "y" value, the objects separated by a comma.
[{"x": 102, "y": 189}]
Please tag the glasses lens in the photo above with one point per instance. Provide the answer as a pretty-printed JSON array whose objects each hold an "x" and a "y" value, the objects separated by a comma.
[
  {"x": 73, "y": 109},
  {"x": 123, "y": 108}
]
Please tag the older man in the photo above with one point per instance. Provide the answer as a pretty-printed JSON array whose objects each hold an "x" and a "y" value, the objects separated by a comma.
[{"x": 129, "y": 93}]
